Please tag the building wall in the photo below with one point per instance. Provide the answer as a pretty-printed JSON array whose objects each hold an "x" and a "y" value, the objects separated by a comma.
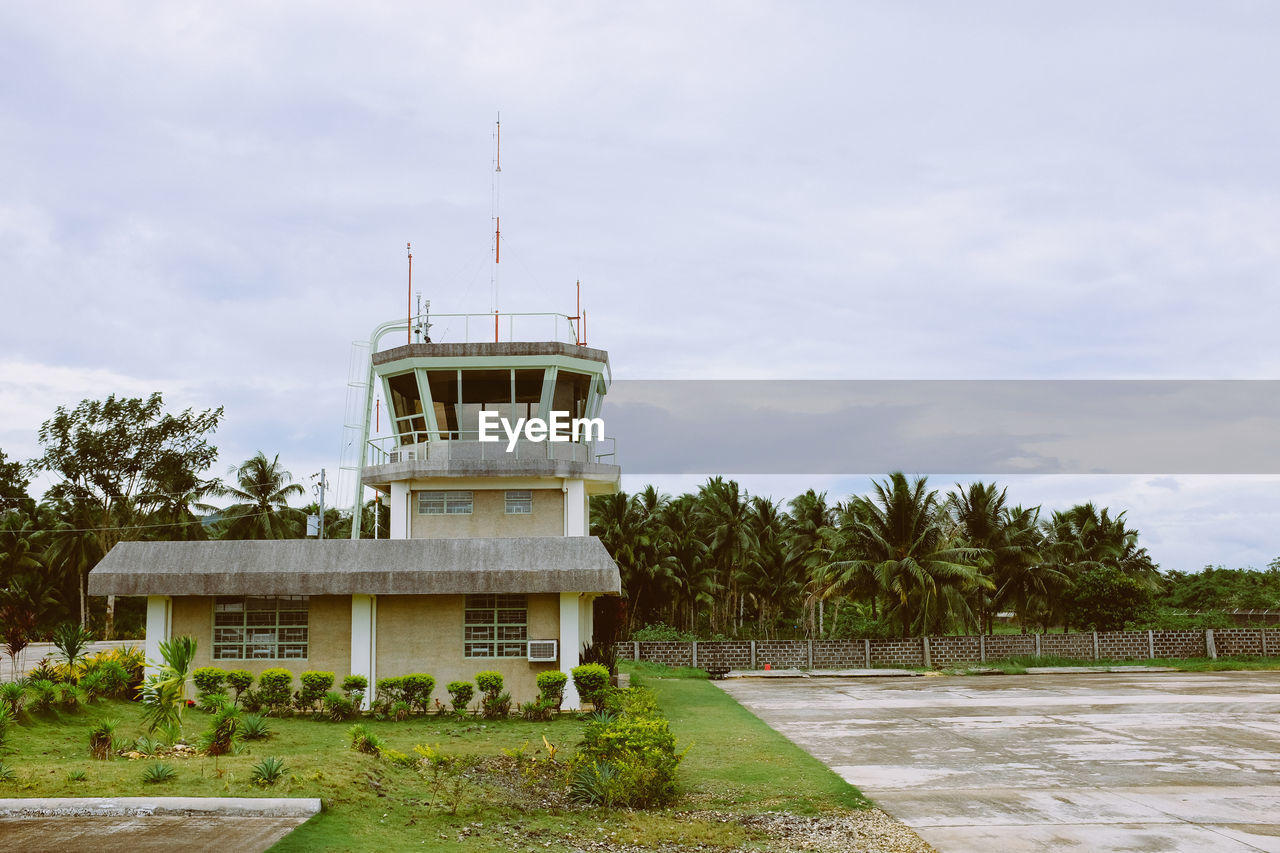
[
  {"x": 423, "y": 633},
  {"x": 489, "y": 517},
  {"x": 328, "y": 636}
]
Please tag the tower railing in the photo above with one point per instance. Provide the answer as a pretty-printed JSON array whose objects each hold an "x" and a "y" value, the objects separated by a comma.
[
  {"x": 495, "y": 327},
  {"x": 465, "y": 445}
]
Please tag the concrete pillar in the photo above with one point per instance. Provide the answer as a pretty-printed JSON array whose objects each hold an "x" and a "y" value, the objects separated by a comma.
[
  {"x": 866, "y": 652},
  {"x": 982, "y": 648},
  {"x": 924, "y": 648},
  {"x": 400, "y": 510},
  {"x": 811, "y": 654},
  {"x": 1037, "y": 645},
  {"x": 635, "y": 650},
  {"x": 159, "y": 623},
  {"x": 575, "y": 508},
  {"x": 1151, "y": 645},
  {"x": 695, "y": 654},
  {"x": 1210, "y": 647},
  {"x": 570, "y": 647},
  {"x": 364, "y": 641},
  {"x": 753, "y": 654},
  {"x": 1263, "y": 632},
  {"x": 1095, "y": 646}
]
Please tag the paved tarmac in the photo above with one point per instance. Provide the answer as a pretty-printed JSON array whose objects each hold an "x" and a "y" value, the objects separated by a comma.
[{"x": 1097, "y": 762}]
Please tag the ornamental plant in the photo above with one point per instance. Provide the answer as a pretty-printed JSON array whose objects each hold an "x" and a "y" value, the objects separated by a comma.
[
  {"x": 496, "y": 703},
  {"x": 592, "y": 681},
  {"x": 239, "y": 680},
  {"x": 461, "y": 693},
  {"x": 314, "y": 685},
  {"x": 551, "y": 687},
  {"x": 416, "y": 690},
  {"x": 209, "y": 679},
  {"x": 275, "y": 688},
  {"x": 355, "y": 686}
]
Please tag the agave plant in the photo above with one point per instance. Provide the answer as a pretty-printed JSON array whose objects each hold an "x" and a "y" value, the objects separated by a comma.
[
  {"x": 158, "y": 773},
  {"x": 100, "y": 739},
  {"x": 268, "y": 771},
  {"x": 255, "y": 727}
]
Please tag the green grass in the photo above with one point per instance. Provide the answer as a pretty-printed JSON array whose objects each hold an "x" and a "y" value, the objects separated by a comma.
[{"x": 734, "y": 764}]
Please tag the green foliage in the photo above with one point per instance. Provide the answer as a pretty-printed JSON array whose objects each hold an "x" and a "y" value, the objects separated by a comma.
[
  {"x": 537, "y": 710},
  {"x": 211, "y": 703},
  {"x": 254, "y": 727},
  {"x": 223, "y": 732},
  {"x": 239, "y": 680},
  {"x": 158, "y": 773},
  {"x": 44, "y": 695},
  {"x": 551, "y": 687},
  {"x": 461, "y": 694},
  {"x": 262, "y": 492},
  {"x": 355, "y": 686},
  {"x": 209, "y": 679},
  {"x": 640, "y": 755},
  {"x": 1106, "y": 599},
  {"x": 164, "y": 693},
  {"x": 390, "y": 690},
  {"x": 71, "y": 640},
  {"x": 1220, "y": 588},
  {"x": 6, "y": 720},
  {"x": 495, "y": 704},
  {"x": 591, "y": 681},
  {"x": 275, "y": 688},
  {"x": 314, "y": 685},
  {"x": 660, "y": 632},
  {"x": 77, "y": 776},
  {"x": 100, "y": 739},
  {"x": 107, "y": 678},
  {"x": 6, "y": 773},
  {"x": 268, "y": 771},
  {"x": 13, "y": 695},
  {"x": 363, "y": 740},
  {"x": 70, "y": 697},
  {"x": 416, "y": 690},
  {"x": 336, "y": 707},
  {"x": 489, "y": 682}
]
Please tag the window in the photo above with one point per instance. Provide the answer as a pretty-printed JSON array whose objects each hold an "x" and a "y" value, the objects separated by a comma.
[
  {"x": 259, "y": 627},
  {"x": 445, "y": 503},
  {"x": 519, "y": 502},
  {"x": 495, "y": 626}
]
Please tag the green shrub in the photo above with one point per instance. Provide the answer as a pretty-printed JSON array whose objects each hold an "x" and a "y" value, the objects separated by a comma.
[
  {"x": 489, "y": 682},
  {"x": 209, "y": 679},
  {"x": 13, "y": 695},
  {"x": 399, "y": 710},
  {"x": 268, "y": 771},
  {"x": 355, "y": 686},
  {"x": 337, "y": 707},
  {"x": 6, "y": 720},
  {"x": 111, "y": 677},
  {"x": 314, "y": 685},
  {"x": 6, "y": 773},
  {"x": 213, "y": 702},
  {"x": 239, "y": 680},
  {"x": 390, "y": 690},
  {"x": 363, "y": 740},
  {"x": 255, "y": 727},
  {"x": 100, "y": 739},
  {"x": 44, "y": 695},
  {"x": 551, "y": 687},
  {"x": 460, "y": 693},
  {"x": 251, "y": 701},
  {"x": 635, "y": 701},
  {"x": 417, "y": 689},
  {"x": 275, "y": 688},
  {"x": 77, "y": 776},
  {"x": 91, "y": 684},
  {"x": 45, "y": 670},
  {"x": 537, "y": 710},
  {"x": 159, "y": 772},
  {"x": 591, "y": 680},
  {"x": 224, "y": 731},
  {"x": 660, "y": 632},
  {"x": 641, "y": 752},
  {"x": 70, "y": 697}
]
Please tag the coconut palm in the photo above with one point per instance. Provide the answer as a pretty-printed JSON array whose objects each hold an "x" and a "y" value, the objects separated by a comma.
[{"x": 262, "y": 490}]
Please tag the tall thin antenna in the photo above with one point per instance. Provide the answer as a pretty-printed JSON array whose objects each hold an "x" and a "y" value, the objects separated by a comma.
[
  {"x": 408, "y": 320},
  {"x": 497, "y": 219}
]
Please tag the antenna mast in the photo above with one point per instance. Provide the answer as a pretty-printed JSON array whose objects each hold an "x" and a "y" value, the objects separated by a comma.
[{"x": 408, "y": 320}]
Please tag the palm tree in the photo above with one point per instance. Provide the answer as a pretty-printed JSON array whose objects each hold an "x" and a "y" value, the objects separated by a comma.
[
  {"x": 74, "y": 547},
  {"x": 724, "y": 511},
  {"x": 628, "y": 528},
  {"x": 263, "y": 491},
  {"x": 772, "y": 576},
  {"x": 900, "y": 537},
  {"x": 693, "y": 571}
]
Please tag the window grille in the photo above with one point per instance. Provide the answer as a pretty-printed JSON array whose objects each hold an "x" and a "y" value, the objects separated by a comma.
[
  {"x": 495, "y": 626},
  {"x": 445, "y": 503},
  {"x": 519, "y": 502},
  {"x": 260, "y": 627}
]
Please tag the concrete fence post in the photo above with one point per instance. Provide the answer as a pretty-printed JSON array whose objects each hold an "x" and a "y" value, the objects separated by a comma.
[
  {"x": 982, "y": 648},
  {"x": 695, "y": 654},
  {"x": 1210, "y": 648},
  {"x": 1096, "y": 656},
  {"x": 635, "y": 650},
  {"x": 753, "y": 654},
  {"x": 1151, "y": 645},
  {"x": 866, "y": 652},
  {"x": 1263, "y": 632},
  {"x": 811, "y": 654},
  {"x": 1037, "y": 645},
  {"x": 928, "y": 658}
]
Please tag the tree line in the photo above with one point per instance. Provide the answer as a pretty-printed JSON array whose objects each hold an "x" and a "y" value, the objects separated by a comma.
[
  {"x": 124, "y": 469},
  {"x": 904, "y": 560}
]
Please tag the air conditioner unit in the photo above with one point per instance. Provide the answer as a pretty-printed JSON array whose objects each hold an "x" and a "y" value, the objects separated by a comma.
[
  {"x": 543, "y": 650},
  {"x": 402, "y": 456}
]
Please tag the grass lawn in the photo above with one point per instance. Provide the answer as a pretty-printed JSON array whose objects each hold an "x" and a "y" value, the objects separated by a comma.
[{"x": 735, "y": 764}]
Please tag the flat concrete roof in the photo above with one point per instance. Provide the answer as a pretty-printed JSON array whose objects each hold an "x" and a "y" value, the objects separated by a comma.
[{"x": 530, "y": 564}]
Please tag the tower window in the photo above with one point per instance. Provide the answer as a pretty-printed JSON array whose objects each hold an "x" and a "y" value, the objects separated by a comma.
[
  {"x": 495, "y": 626},
  {"x": 519, "y": 502},
  {"x": 445, "y": 503},
  {"x": 260, "y": 627}
]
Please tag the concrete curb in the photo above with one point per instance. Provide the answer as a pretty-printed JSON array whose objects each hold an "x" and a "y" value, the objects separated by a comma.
[
  {"x": 302, "y": 807},
  {"x": 912, "y": 673}
]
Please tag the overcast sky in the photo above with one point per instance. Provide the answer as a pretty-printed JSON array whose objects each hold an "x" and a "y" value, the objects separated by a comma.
[{"x": 213, "y": 200}]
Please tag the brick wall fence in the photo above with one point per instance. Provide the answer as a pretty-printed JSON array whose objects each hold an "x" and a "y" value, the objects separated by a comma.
[{"x": 948, "y": 651}]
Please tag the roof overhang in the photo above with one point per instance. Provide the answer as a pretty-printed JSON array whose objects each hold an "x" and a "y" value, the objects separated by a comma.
[{"x": 535, "y": 564}]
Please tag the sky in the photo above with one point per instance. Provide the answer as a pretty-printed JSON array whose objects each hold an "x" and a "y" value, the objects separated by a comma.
[{"x": 212, "y": 200}]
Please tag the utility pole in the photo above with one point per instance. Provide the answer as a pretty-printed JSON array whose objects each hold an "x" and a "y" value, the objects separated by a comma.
[{"x": 320, "y": 487}]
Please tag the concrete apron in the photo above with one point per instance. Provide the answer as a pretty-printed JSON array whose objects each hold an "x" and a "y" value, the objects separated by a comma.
[
  {"x": 143, "y": 824},
  {"x": 1156, "y": 761}
]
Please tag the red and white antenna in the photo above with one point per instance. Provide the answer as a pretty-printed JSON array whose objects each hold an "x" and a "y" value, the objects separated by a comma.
[
  {"x": 408, "y": 325},
  {"x": 497, "y": 219}
]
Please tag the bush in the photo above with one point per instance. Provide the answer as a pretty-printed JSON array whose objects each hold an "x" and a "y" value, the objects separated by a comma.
[
  {"x": 461, "y": 693},
  {"x": 70, "y": 697},
  {"x": 100, "y": 738},
  {"x": 275, "y": 688},
  {"x": 495, "y": 704},
  {"x": 363, "y": 740},
  {"x": 337, "y": 707},
  {"x": 6, "y": 720},
  {"x": 13, "y": 695},
  {"x": 551, "y": 687},
  {"x": 489, "y": 682},
  {"x": 630, "y": 761},
  {"x": 255, "y": 727},
  {"x": 159, "y": 772},
  {"x": 591, "y": 680},
  {"x": 390, "y": 690},
  {"x": 355, "y": 686},
  {"x": 314, "y": 686},
  {"x": 213, "y": 702},
  {"x": 538, "y": 710},
  {"x": 239, "y": 680},
  {"x": 416, "y": 690},
  {"x": 660, "y": 632},
  {"x": 112, "y": 679},
  {"x": 209, "y": 679},
  {"x": 44, "y": 695},
  {"x": 223, "y": 732},
  {"x": 6, "y": 773},
  {"x": 268, "y": 771}
]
